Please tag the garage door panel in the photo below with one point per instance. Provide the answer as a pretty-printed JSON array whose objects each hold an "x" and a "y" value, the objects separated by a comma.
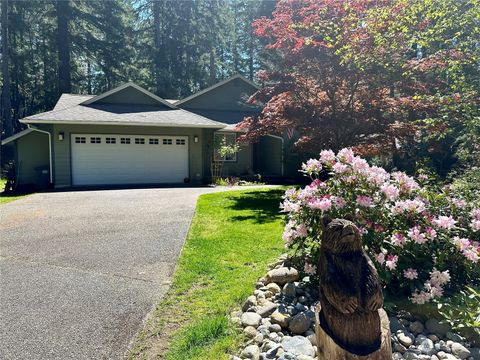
[{"x": 160, "y": 159}]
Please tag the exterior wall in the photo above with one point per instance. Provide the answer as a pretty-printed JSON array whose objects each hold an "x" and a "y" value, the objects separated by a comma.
[
  {"x": 62, "y": 155},
  {"x": 230, "y": 96},
  {"x": 269, "y": 156},
  {"x": 32, "y": 160},
  {"x": 129, "y": 96},
  {"x": 242, "y": 166}
]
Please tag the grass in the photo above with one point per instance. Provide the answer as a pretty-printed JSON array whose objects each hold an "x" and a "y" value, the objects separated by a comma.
[
  {"x": 4, "y": 198},
  {"x": 234, "y": 235}
]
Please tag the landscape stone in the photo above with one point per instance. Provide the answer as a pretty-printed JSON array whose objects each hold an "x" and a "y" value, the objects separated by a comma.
[
  {"x": 289, "y": 290},
  {"x": 280, "y": 319},
  {"x": 397, "y": 356},
  {"x": 275, "y": 328},
  {"x": 298, "y": 345},
  {"x": 251, "y": 352},
  {"x": 395, "y": 324},
  {"x": 282, "y": 275},
  {"x": 460, "y": 351},
  {"x": 251, "y": 319},
  {"x": 274, "y": 288},
  {"x": 287, "y": 356},
  {"x": 299, "y": 324},
  {"x": 405, "y": 337},
  {"x": 416, "y": 327},
  {"x": 267, "y": 309},
  {"x": 272, "y": 352},
  {"x": 475, "y": 353},
  {"x": 434, "y": 327},
  {"x": 399, "y": 348},
  {"x": 250, "y": 332},
  {"x": 427, "y": 347},
  {"x": 409, "y": 355},
  {"x": 454, "y": 337},
  {"x": 251, "y": 301}
]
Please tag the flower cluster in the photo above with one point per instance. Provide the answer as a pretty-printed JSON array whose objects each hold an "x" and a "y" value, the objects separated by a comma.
[{"x": 417, "y": 237}]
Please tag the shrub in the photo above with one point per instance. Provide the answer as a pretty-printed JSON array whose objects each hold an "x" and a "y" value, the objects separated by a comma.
[{"x": 424, "y": 243}]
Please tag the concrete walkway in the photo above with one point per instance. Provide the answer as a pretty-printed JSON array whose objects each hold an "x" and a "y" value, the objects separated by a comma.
[{"x": 79, "y": 271}]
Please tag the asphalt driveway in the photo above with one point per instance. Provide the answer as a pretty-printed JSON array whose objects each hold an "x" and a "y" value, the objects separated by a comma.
[{"x": 79, "y": 271}]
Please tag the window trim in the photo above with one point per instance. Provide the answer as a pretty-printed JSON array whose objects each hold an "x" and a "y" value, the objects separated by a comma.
[{"x": 226, "y": 134}]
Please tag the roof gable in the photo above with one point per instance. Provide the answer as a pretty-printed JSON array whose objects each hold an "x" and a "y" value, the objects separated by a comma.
[
  {"x": 129, "y": 93},
  {"x": 230, "y": 94}
]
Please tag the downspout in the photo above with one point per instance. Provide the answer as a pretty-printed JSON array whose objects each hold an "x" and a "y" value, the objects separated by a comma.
[
  {"x": 283, "y": 141},
  {"x": 49, "y": 148}
]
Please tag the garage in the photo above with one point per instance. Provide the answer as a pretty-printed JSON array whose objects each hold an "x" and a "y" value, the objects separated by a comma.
[{"x": 104, "y": 159}]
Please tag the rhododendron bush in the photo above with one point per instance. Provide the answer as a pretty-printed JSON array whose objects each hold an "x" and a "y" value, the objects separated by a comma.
[{"x": 424, "y": 243}]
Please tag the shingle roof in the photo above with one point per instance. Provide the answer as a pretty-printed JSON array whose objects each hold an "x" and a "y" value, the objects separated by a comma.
[
  {"x": 120, "y": 114},
  {"x": 69, "y": 100}
]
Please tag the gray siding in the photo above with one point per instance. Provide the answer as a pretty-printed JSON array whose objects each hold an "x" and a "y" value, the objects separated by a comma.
[
  {"x": 32, "y": 160},
  {"x": 230, "y": 96},
  {"x": 269, "y": 156},
  {"x": 62, "y": 156},
  {"x": 129, "y": 95}
]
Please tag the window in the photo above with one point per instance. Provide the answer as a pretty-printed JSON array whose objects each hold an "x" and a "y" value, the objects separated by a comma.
[
  {"x": 228, "y": 139},
  {"x": 180, "y": 142},
  {"x": 139, "y": 141},
  {"x": 167, "y": 141},
  {"x": 80, "y": 139},
  {"x": 110, "y": 140},
  {"x": 153, "y": 141},
  {"x": 95, "y": 140},
  {"x": 124, "y": 140}
]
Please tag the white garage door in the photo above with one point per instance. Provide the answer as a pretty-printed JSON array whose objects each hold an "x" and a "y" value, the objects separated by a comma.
[{"x": 99, "y": 159}]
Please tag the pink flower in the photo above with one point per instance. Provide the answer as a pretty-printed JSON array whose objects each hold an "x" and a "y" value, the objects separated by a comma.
[
  {"x": 346, "y": 155},
  {"x": 339, "y": 202},
  {"x": 407, "y": 184},
  {"x": 310, "y": 269},
  {"x": 461, "y": 244},
  {"x": 377, "y": 175},
  {"x": 439, "y": 278},
  {"x": 445, "y": 222},
  {"x": 423, "y": 177},
  {"x": 378, "y": 228},
  {"x": 380, "y": 257},
  {"x": 475, "y": 225},
  {"x": 391, "y": 192},
  {"x": 323, "y": 204},
  {"x": 360, "y": 165},
  {"x": 365, "y": 201},
  {"x": 430, "y": 232},
  {"x": 289, "y": 206},
  {"x": 459, "y": 203},
  {"x": 475, "y": 214},
  {"x": 415, "y": 234},
  {"x": 471, "y": 254},
  {"x": 410, "y": 274},
  {"x": 301, "y": 231},
  {"x": 412, "y": 206},
  {"x": 421, "y": 297},
  {"x": 312, "y": 166},
  {"x": 398, "y": 239},
  {"x": 339, "y": 168},
  {"x": 391, "y": 262},
  {"x": 327, "y": 156}
]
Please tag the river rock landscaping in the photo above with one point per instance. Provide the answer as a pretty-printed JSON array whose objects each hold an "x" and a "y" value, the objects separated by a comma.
[{"x": 278, "y": 322}]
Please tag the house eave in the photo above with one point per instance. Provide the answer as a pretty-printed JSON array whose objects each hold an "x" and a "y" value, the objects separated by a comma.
[{"x": 212, "y": 126}]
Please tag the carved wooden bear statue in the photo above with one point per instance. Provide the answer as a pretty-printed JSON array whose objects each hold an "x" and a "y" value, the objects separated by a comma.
[{"x": 350, "y": 293}]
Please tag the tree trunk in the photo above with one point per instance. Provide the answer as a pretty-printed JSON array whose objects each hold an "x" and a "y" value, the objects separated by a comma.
[
  {"x": 212, "y": 66},
  {"x": 63, "y": 43},
  {"x": 7, "y": 124}
]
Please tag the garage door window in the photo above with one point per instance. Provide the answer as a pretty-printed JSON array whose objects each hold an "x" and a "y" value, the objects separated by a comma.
[
  {"x": 153, "y": 141},
  {"x": 95, "y": 140},
  {"x": 139, "y": 141},
  {"x": 80, "y": 140},
  {"x": 180, "y": 142},
  {"x": 167, "y": 141},
  {"x": 110, "y": 140},
  {"x": 124, "y": 140}
]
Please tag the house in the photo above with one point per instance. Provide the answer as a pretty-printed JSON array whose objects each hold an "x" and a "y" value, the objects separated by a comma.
[{"x": 130, "y": 136}]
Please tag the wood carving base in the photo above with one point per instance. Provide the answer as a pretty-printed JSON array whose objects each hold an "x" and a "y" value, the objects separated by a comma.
[{"x": 329, "y": 350}]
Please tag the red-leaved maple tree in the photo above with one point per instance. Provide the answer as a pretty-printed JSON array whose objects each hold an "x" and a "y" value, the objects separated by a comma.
[{"x": 349, "y": 74}]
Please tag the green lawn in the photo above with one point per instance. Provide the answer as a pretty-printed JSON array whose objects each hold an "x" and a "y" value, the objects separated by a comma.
[
  {"x": 7, "y": 198},
  {"x": 234, "y": 235}
]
